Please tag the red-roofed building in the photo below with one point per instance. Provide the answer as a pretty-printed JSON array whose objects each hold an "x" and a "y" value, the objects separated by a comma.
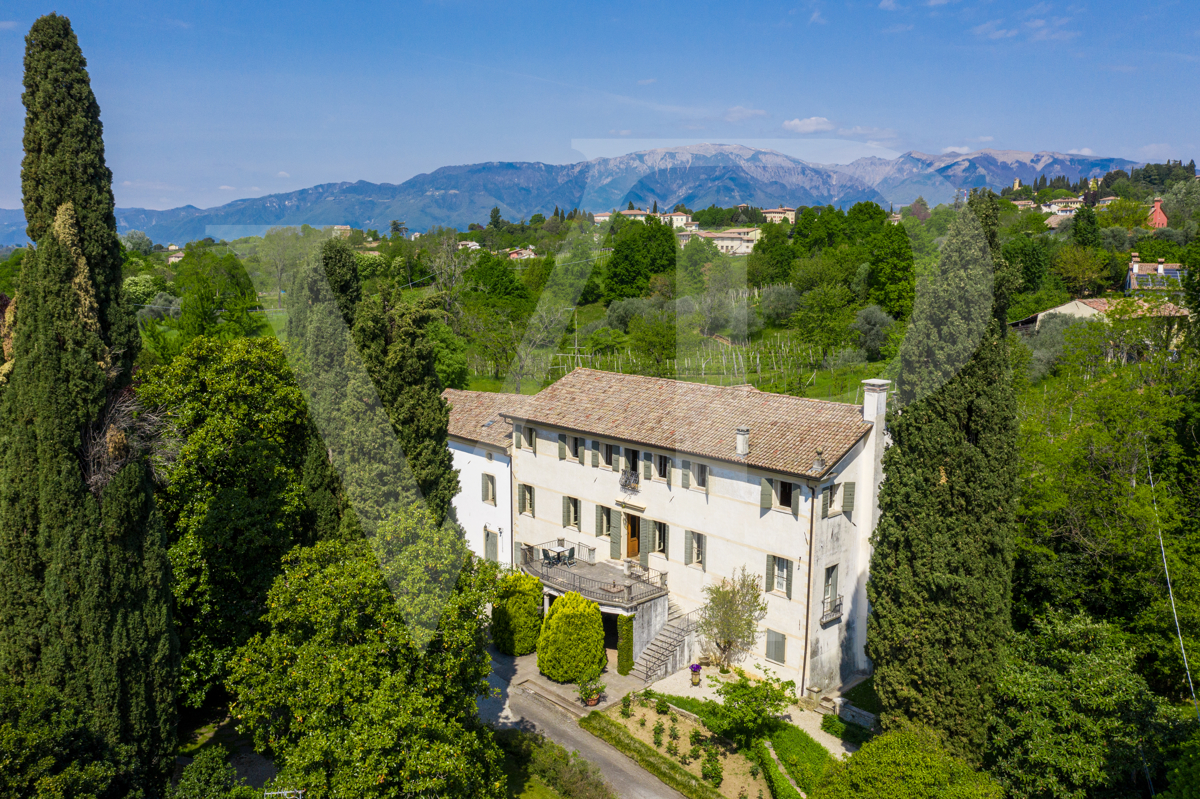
[{"x": 1158, "y": 218}]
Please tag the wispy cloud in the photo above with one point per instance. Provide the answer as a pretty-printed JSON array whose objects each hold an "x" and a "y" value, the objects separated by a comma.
[
  {"x": 178, "y": 23},
  {"x": 619, "y": 132},
  {"x": 283, "y": 175},
  {"x": 940, "y": 2},
  {"x": 992, "y": 29},
  {"x": 982, "y": 139},
  {"x": 226, "y": 188},
  {"x": 8, "y": 25},
  {"x": 816, "y": 18},
  {"x": 740, "y": 112},
  {"x": 863, "y": 131},
  {"x": 156, "y": 185},
  {"x": 1152, "y": 151},
  {"x": 647, "y": 81},
  {"x": 888, "y": 5},
  {"x": 898, "y": 29},
  {"x": 809, "y": 125},
  {"x": 1081, "y": 151},
  {"x": 1042, "y": 30},
  {"x": 960, "y": 150}
]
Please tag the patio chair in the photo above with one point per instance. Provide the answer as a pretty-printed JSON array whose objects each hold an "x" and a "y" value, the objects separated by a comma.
[
  {"x": 548, "y": 559},
  {"x": 571, "y": 556}
]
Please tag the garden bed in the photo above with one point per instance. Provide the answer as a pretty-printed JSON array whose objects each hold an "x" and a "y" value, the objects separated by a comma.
[{"x": 740, "y": 775}]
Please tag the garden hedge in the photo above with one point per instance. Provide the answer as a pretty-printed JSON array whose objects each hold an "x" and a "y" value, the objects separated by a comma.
[
  {"x": 776, "y": 781},
  {"x": 667, "y": 770},
  {"x": 625, "y": 644},
  {"x": 517, "y": 613},
  {"x": 571, "y": 645},
  {"x": 909, "y": 763}
]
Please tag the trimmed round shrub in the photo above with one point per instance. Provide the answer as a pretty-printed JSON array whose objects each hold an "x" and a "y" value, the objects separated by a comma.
[
  {"x": 517, "y": 614},
  {"x": 910, "y": 763},
  {"x": 571, "y": 646}
]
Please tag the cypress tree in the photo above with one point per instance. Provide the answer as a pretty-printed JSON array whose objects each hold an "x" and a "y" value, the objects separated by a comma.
[
  {"x": 85, "y": 604},
  {"x": 941, "y": 570}
]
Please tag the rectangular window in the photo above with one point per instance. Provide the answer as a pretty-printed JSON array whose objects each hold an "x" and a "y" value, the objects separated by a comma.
[
  {"x": 785, "y": 494},
  {"x": 604, "y": 521},
  {"x": 525, "y": 500},
  {"x": 531, "y": 439},
  {"x": 698, "y": 548},
  {"x": 831, "y": 583},
  {"x": 662, "y": 466},
  {"x": 489, "y": 489},
  {"x": 610, "y": 453},
  {"x": 776, "y": 646},
  {"x": 701, "y": 475},
  {"x": 781, "y": 569},
  {"x": 660, "y": 537},
  {"x": 572, "y": 514},
  {"x": 574, "y": 447}
]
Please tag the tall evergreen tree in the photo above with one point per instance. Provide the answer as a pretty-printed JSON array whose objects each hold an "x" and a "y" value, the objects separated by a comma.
[
  {"x": 940, "y": 587},
  {"x": 85, "y": 603}
]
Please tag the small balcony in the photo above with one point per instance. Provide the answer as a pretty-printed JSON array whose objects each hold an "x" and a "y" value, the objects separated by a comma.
[
  {"x": 831, "y": 609},
  {"x": 629, "y": 479},
  {"x": 617, "y": 586}
]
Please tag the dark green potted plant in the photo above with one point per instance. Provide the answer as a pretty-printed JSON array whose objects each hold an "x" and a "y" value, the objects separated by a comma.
[{"x": 590, "y": 690}]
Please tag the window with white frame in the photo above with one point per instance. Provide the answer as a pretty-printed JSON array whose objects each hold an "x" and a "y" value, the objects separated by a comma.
[
  {"x": 489, "y": 489},
  {"x": 776, "y": 646},
  {"x": 610, "y": 455},
  {"x": 699, "y": 549},
  {"x": 604, "y": 520},
  {"x": 525, "y": 500},
  {"x": 574, "y": 447},
  {"x": 660, "y": 537},
  {"x": 662, "y": 465},
  {"x": 781, "y": 574},
  {"x": 530, "y": 438},
  {"x": 571, "y": 512},
  {"x": 700, "y": 475}
]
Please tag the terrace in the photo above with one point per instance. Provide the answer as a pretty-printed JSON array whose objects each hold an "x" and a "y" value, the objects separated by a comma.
[{"x": 563, "y": 565}]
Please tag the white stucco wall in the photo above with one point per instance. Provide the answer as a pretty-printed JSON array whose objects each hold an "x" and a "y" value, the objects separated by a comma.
[
  {"x": 473, "y": 461},
  {"x": 738, "y": 533}
]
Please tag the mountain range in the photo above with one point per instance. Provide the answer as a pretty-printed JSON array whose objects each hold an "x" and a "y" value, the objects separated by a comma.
[{"x": 696, "y": 175}]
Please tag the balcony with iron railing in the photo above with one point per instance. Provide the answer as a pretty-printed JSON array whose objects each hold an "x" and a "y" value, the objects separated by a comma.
[
  {"x": 629, "y": 479},
  {"x": 625, "y": 586},
  {"x": 831, "y": 609}
]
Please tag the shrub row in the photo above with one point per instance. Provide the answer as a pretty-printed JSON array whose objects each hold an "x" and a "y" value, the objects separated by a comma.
[
  {"x": 660, "y": 766},
  {"x": 566, "y": 772},
  {"x": 517, "y": 613},
  {"x": 779, "y": 785},
  {"x": 846, "y": 730},
  {"x": 624, "y": 644},
  {"x": 804, "y": 758},
  {"x": 571, "y": 645}
]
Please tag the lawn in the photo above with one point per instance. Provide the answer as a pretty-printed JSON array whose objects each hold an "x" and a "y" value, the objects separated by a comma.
[{"x": 863, "y": 696}]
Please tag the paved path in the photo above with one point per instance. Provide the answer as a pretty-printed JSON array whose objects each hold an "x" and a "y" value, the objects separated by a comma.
[{"x": 514, "y": 706}]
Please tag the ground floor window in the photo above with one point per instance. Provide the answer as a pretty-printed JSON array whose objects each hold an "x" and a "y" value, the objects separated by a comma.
[{"x": 776, "y": 646}]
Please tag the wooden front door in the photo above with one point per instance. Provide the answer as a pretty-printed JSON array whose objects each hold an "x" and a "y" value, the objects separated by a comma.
[{"x": 632, "y": 532}]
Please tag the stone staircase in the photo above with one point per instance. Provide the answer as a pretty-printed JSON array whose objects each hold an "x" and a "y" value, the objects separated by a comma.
[{"x": 662, "y": 656}]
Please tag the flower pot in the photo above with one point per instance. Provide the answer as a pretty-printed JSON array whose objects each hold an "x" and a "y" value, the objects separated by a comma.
[
  {"x": 595, "y": 700},
  {"x": 695, "y": 678}
]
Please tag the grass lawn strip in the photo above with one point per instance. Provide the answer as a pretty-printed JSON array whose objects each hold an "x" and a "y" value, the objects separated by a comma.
[
  {"x": 805, "y": 759},
  {"x": 781, "y": 786}
]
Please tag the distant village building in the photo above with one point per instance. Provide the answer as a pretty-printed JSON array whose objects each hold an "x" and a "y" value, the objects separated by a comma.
[
  {"x": 172, "y": 247},
  {"x": 1094, "y": 308},
  {"x": 1104, "y": 202},
  {"x": 341, "y": 231},
  {"x": 1023, "y": 205},
  {"x": 637, "y": 215},
  {"x": 679, "y": 220},
  {"x": 468, "y": 245},
  {"x": 735, "y": 241},
  {"x": 602, "y": 217},
  {"x": 1016, "y": 184},
  {"x": 639, "y": 492},
  {"x": 1159, "y": 276},
  {"x": 175, "y": 256},
  {"x": 1157, "y": 217},
  {"x": 776, "y": 215},
  {"x": 895, "y": 219},
  {"x": 521, "y": 254},
  {"x": 1066, "y": 206}
]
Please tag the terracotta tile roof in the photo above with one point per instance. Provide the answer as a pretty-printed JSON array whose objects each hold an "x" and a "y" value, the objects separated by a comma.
[
  {"x": 697, "y": 419},
  {"x": 1165, "y": 309},
  {"x": 475, "y": 415}
]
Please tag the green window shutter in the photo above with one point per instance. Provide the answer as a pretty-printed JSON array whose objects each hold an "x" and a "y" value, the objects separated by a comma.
[
  {"x": 644, "y": 541},
  {"x": 648, "y": 465},
  {"x": 687, "y": 547},
  {"x": 707, "y": 481},
  {"x": 705, "y": 553},
  {"x": 518, "y": 432},
  {"x": 614, "y": 544},
  {"x": 485, "y": 488},
  {"x": 532, "y": 505},
  {"x": 666, "y": 541},
  {"x": 595, "y": 453},
  {"x": 562, "y": 446},
  {"x": 847, "y": 497},
  {"x": 685, "y": 474},
  {"x": 789, "y": 579},
  {"x": 566, "y": 511},
  {"x": 599, "y": 520},
  {"x": 825, "y": 501},
  {"x": 769, "y": 580},
  {"x": 670, "y": 468},
  {"x": 795, "y": 499},
  {"x": 520, "y": 499},
  {"x": 765, "y": 493}
]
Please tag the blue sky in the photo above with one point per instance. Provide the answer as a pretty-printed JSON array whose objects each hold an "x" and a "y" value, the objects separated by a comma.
[{"x": 203, "y": 103}]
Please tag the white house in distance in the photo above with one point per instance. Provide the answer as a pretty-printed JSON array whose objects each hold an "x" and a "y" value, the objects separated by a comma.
[
  {"x": 776, "y": 215},
  {"x": 735, "y": 241},
  {"x": 479, "y": 443},
  {"x": 657, "y": 488}
]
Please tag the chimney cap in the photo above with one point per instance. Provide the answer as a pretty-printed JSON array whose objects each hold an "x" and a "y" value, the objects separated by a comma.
[{"x": 1162, "y": 260}]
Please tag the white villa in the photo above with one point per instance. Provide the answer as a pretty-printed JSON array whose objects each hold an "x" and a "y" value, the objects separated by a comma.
[
  {"x": 655, "y": 488},
  {"x": 734, "y": 241}
]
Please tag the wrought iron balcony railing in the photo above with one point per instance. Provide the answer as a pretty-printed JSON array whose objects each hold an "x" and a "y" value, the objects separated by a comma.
[
  {"x": 629, "y": 479},
  {"x": 831, "y": 608}
]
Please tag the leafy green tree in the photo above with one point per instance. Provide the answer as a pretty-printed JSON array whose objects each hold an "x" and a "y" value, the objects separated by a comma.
[
  {"x": 234, "y": 500},
  {"x": 730, "y": 615},
  {"x": 893, "y": 280},
  {"x": 495, "y": 221},
  {"x": 1071, "y": 711},
  {"x": 450, "y": 355},
  {"x": 85, "y": 605},
  {"x": 749, "y": 708},
  {"x": 865, "y": 220},
  {"x": 49, "y": 748},
  {"x": 1029, "y": 255},
  {"x": 342, "y": 691},
  {"x": 698, "y": 253},
  {"x": 1085, "y": 230},
  {"x": 341, "y": 270},
  {"x": 1181, "y": 203},
  {"x": 872, "y": 325},
  {"x": 641, "y": 250},
  {"x": 209, "y": 776},
  {"x": 771, "y": 259},
  {"x": 570, "y": 647},
  {"x": 942, "y": 561},
  {"x": 652, "y": 336},
  {"x": 1081, "y": 269},
  {"x": 138, "y": 242},
  {"x": 824, "y": 319},
  {"x": 779, "y": 303},
  {"x": 517, "y": 613},
  {"x": 908, "y": 763},
  {"x": 1185, "y": 772},
  {"x": 139, "y": 289}
]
